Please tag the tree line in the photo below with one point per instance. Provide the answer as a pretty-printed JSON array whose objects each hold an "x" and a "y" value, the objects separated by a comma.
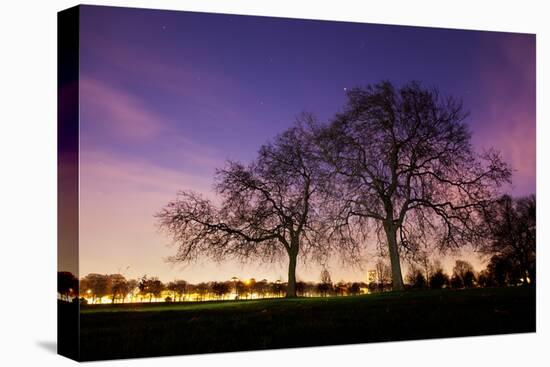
[
  {"x": 395, "y": 167},
  {"x": 93, "y": 288}
]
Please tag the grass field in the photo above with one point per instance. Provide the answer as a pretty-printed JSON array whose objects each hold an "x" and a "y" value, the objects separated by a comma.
[{"x": 123, "y": 331}]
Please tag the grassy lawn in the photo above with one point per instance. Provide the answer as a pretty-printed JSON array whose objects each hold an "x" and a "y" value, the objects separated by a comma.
[{"x": 123, "y": 331}]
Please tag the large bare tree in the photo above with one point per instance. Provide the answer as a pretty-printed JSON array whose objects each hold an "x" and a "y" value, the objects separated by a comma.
[
  {"x": 270, "y": 209},
  {"x": 407, "y": 170}
]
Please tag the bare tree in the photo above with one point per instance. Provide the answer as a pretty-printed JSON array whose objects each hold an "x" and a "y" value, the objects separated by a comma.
[
  {"x": 132, "y": 286},
  {"x": 202, "y": 289},
  {"x": 512, "y": 233},
  {"x": 325, "y": 277},
  {"x": 423, "y": 259},
  {"x": 67, "y": 285},
  {"x": 262, "y": 288},
  {"x": 180, "y": 287},
  {"x": 407, "y": 170},
  {"x": 119, "y": 287},
  {"x": 325, "y": 286},
  {"x": 354, "y": 289},
  {"x": 341, "y": 288},
  {"x": 415, "y": 277},
  {"x": 269, "y": 208},
  {"x": 383, "y": 274},
  {"x": 438, "y": 278},
  {"x": 96, "y": 285},
  {"x": 151, "y": 287},
  {"x": 220, "y": 289},
  {"x": 463, "y": 274}
]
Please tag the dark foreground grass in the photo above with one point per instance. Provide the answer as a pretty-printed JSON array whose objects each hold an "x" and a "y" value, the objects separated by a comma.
[{"x": 124, "y": 331}]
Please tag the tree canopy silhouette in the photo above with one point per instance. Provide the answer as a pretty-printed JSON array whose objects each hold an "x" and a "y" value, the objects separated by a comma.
[
  {"x": 512, "y": 233},
  {"x": 405, "y": 169},
  {"x": 67, "y": 284},
  {"x": 270, "y": 209},
  {"x": 463, "y": 275}
]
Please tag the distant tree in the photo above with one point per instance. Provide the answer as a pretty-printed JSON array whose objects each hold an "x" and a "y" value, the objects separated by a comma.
[
  {"x": 415, "y": 278},
  {"x": 456, "y": 282},
  {"x": 240, "y": 289},
  {"x": 407, "y": 169},
  {"x": 202, "y": 290},
  {"x": 300, "y": 288},
  {"x": 354, "y": 289},
  {"x": 180, "y": 288},
  {"x": 383, "y": 274},
  {"x": 485, "y": 279},
  {"x": 119, "y": 287},
  {"x": 220, "y": 289},
  {"x": 143, "y": 286},
  {"x": 439, "y": 280},
  {"x": 270, "y": 209},
  {"x": 323, "y": 289},
  {"x": 310, "y": 289},
  {"x": 262, "y": 288},
  {"x": 325, "y": 286},
  {"x": 423, "y": 260},
  {"x": 96, "y": 285},
  {"x": 373, "y": 287},
  {"x": 171, "y": 286},
  {"x": 512, "y": 233},
  {"x": 67, "y": 285},
  {"x": 462, "y": 267},
  {"x": 469, "y": 279},
  {"x": 132, "y": 286},
  {"x": 341, "y": 288},
  {"x": 277, "y": 288},
  {"x": 503, "y": 271},
  {"x": 156, "y": 287},
  {"x": 463, "y": 275},
  {"x": 325, "y": 277},
  {"x": 151, "y": 287},
  {"x": 250, "y": 285}
]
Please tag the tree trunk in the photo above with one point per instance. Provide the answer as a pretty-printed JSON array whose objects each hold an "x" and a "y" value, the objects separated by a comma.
[
  {"x": 397, "y": 279},
  {"x": 291, "y": 285}
]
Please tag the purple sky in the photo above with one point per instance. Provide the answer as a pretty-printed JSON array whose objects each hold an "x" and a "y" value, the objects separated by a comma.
[{"x": 166, "y": 97}]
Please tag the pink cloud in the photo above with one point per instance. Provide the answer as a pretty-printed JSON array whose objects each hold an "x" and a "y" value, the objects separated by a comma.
[
  {"x": 108, "y": 173},
  {"x": 122, "y": 113},
  {"x": 197, "y": 85}
]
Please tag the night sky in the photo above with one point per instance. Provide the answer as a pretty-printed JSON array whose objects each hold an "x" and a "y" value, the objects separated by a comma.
[{"x": 167, "y": 97}]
